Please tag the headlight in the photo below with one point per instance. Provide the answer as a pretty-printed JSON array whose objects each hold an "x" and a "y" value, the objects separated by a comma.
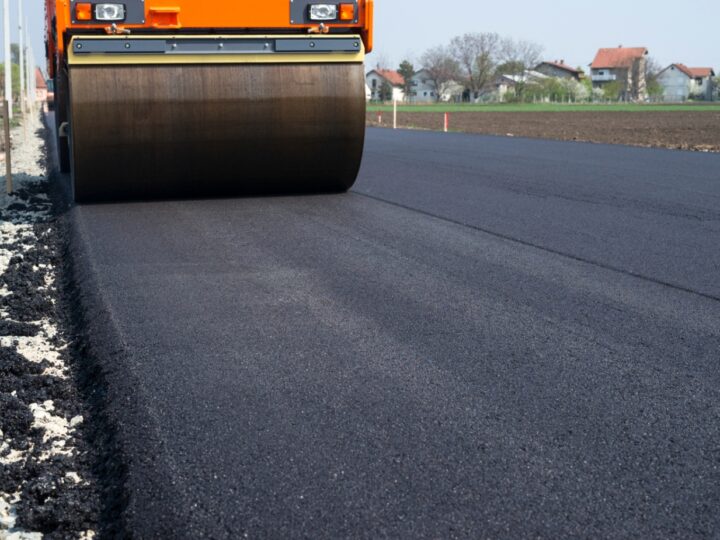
[
  {"x": 323, "y": 12},
  {"x": 110, "y": 12}
]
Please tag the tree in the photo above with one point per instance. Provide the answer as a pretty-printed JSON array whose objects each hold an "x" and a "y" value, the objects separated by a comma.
[
  {"x": 381, "y": 60},
  {"x": 613, "y": 90},
  {"x": 15, "y": 53},
  {"x": 442, "y": 69},
  {"x": 407, "y": 70},
  {"x": 520, "y": 55},
  {"x": 386, "y": 91},
  {"x": 15, "y": 74},
  {"x": 477, "y": 56},
  {"x": 588, "y": 90},
  {"x": 510, "y": 68},
  {"x": 652, "y": 70}
]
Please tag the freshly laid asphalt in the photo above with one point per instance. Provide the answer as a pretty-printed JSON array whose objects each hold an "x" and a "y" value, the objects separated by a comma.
[{"x": 488, "y": 337}]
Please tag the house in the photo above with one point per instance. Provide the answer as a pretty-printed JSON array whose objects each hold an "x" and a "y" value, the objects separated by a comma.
[
  {"x": 560, "y": 70},
  {"x": 680, "y": 83},
  {"x": 423, "y": 89},
  {"x": 509, "y": 83},
  {"x": 41, "y": 89},
  {"x": 375, "y": 78},
  {"x": 624, "y": 67}
]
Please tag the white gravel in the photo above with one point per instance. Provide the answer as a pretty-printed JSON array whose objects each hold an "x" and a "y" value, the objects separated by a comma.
[{"x": 19, "y": 224}]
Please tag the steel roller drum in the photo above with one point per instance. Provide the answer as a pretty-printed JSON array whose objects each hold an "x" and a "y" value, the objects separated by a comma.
[{"x": 172, "y": 130}]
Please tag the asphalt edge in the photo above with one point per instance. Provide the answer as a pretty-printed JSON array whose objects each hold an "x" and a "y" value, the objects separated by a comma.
[
  {"x": 98, "y": 430},
  {"x": 106, "y": 382}
]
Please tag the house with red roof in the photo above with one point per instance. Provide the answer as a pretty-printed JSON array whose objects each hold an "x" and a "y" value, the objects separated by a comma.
[
  {"x": 559, "y": 69},
  {"x": 41, "y": 88},
  {"x": 623, "y": 67},
  {"x": 680, "y": 83},
  {"x": 375, "y": 80}
]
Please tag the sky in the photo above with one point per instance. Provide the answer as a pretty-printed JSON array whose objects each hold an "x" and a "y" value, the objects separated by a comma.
[
  {"x": 685, "y": 32},
  {"x": 568, "y": 30}
]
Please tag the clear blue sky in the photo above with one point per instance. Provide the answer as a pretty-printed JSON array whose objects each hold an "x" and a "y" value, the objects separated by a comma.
[{"x": 687, "y": 32}]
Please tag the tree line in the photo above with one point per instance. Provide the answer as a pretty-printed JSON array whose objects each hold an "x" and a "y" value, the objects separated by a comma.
[{"x": 475, "y": 61}]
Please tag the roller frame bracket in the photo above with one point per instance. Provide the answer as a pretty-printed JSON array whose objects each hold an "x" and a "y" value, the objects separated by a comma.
[{"x": 82, "y": 46}]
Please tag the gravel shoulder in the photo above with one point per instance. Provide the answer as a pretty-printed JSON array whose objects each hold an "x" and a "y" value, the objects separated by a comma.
[
  {"x": 693, "y": 130},
  {"x": 47, "y": 486}
]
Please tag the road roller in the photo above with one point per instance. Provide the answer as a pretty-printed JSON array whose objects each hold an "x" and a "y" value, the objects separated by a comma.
[{"x": 189, "y": 98}]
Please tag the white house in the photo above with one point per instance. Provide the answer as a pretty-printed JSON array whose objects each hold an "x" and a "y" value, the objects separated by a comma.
[
  {"x": 681, "y": 83},
  {"x": 375, "y": 78},
  {"x": 423, "y": 89},
  {"x": 508, "y": 83}
]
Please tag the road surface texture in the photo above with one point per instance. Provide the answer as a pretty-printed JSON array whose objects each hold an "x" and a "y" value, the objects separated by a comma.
[{"x": 488, "y": 337}]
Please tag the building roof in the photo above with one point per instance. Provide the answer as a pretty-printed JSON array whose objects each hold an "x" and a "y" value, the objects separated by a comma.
[
  {"x": 560, "y": 64},
  {"x": 40, "y": 83},
  {"x": 693, "y": 72},
  {"x": 702, "y": 72},
  {"x": 619, "y": 57},
  {"x": 528, "y": 76},
  {"x": 392, "y": 76}
]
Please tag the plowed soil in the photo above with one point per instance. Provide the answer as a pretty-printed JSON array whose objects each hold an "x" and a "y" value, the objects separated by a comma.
[{"x": 693, "y": 130}]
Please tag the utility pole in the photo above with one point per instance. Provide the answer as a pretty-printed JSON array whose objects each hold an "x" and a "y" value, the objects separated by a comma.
[
  {"x": 22, "y": 96},
  {"x": 29, "y": 66},
  {"x": 8, "y": 57}
]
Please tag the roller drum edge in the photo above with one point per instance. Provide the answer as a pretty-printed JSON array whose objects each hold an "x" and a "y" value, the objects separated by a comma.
[{"x": 180, "y": 131}]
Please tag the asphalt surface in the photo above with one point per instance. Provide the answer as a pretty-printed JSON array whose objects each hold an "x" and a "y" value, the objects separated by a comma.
[{"x": 488, "y": 337}]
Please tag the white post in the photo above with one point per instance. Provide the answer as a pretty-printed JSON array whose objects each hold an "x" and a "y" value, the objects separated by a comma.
[
  {"x": 8, "y": 148},
  {"x": 21, "y": 29},
  {"x": 30, "y": 66},
  {"x": 394, "y": 113},
  {"x": 8, "y": 56}
]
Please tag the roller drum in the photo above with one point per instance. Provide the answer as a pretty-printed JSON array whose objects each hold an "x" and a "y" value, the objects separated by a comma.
[{"x": 169, "y": 131}]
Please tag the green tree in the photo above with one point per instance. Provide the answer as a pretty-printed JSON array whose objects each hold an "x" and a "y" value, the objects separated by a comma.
[
  {"x": 613, "y": 90},
  {"x": 407, "y": 70},
  {"x": 15, "y": 73},
  {"x": 586, "y": 83},
  {"x": 15, "y": 53},
  {"x": 654, "y": 89},
  {"x": 386, "y": 91},
  {"x": 513, "y": 67}
]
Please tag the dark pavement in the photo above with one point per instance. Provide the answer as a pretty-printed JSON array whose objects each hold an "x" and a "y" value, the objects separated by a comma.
[{"x": 488, "y": 337}]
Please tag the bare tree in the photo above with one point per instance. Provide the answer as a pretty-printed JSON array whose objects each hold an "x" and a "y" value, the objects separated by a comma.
[
  {"x": 520, "y": 54},
  {"x": 442, "y": 69},
  {"x": 653, "y": 68},
  {"x": 477, "y": 56},
  {"x": 381, "y": 61}
]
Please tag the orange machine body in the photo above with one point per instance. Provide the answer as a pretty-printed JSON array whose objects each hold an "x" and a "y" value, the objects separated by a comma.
[{"x": 221, "y": 16}]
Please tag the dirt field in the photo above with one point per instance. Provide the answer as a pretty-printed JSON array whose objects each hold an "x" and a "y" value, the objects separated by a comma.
[{"x": 692, "y": 130}]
